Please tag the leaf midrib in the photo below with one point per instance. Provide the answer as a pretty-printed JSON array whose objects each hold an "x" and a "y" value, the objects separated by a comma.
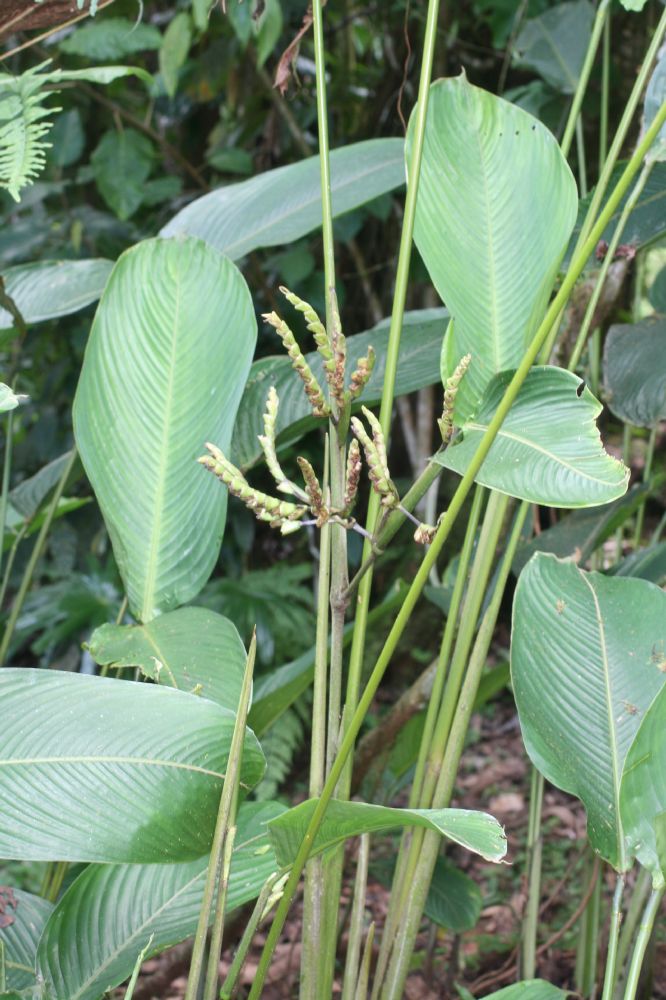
[{"x": 111, "y": 759}]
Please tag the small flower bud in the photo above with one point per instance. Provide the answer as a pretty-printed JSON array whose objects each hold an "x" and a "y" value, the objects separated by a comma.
[{"x": 313, "y": 390}]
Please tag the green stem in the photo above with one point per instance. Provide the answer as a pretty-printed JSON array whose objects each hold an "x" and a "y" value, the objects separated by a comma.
[
  {"x": 35, "y": 555},
  {"x": 613, "y": 937},
  {"x": 10, "y": 561},
  {"x": 605, "y": 91},
  {"x": 642, "y": 938},
  {"x": 607, "y": 261},
  {"x": 443, "y": 532},
  {"x": 647, "y": 472},
  {"x": 531, "y": 918},
  {"x": 580, "y": 149},
  {"x": 356, "y": 921},
  {"x": 638, "y": 900},
  {"x": 581, "y": 86},
  {"x": 324, "y": 163},
  {"x": 588, "y": 939},
  {"x": 225, "y": 819},
  {"x": 6, "y": 472},
  {"x": 258, "y": 913}
]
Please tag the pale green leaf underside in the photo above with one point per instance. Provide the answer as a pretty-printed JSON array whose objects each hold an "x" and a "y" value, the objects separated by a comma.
[
  {"x": 476, "y": 831},
  {"x": 109, "y": 913},
  {"x": 194, "y": 649},
  {"x": 643, "y": 787},
  {"x": 20, "y": 938},
  {"x": 583, "y": 672},
  {"x": 548, "y": 449},
  {"x": 94, "y": 769},
  {"x": 529, "y": 989},
  {"x": 282, "y": 205},
  {"x": 53, "y": 288},
  {"x": 496, "y": 206},
  {"x": 164, "y": 370}
]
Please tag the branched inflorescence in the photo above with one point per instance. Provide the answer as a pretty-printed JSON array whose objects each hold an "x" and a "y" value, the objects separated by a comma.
[{"x": 313, "y": 500}]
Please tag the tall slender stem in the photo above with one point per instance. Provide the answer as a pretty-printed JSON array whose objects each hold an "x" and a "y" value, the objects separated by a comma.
[
  {"x": 533, "y": 861},
  {"x": 647, "y": 472},
  {"x": 613, "y": 937},
  {"x": 6, "y": 471},
  {"x": 605, "y": 93},
  {"x": 642, "y": 938},
  {"x": 443, "y": 532},
  {"x": 37, "y": 550},
  {"x": 581, "y": 87}
]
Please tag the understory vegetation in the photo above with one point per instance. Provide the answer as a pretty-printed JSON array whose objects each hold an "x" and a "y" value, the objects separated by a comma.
[{"x": 333, "y": 402}]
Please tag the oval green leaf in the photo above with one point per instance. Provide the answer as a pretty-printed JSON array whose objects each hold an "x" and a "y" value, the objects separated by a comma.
[
  {"x": 193, "y": 649},
  {"x": 281, "y": 205},
  {"x": 476, "y": 831},
  {"x": 555, "y": 43},
  {"x": 496, "y": 206},
  {"x": 95, "y": 769},
  {"x": 583, "y": 672},
  {"x": 110, "y": 912},
  {"x": 529, "y": 989},
  {"x": 21, "y": 937},
  {"x": 148, "y": 398},
  {"x": 635, "y": 371},
  {"x": 548, "y": 450},
  {"x": 454, "y": 899},
  {"x": 643, "y": 788},
  {"x": 53, "y": 288}
]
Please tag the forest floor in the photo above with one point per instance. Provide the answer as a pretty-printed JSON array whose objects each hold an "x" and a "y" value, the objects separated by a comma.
[{"x": 494, "y": 777}]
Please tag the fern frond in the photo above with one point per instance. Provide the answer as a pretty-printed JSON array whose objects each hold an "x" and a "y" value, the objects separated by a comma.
[
  {"x": 22, "y": 128},
  {"x": 280, "y": 745}
]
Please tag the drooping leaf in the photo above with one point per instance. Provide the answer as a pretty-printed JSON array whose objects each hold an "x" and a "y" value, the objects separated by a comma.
[
  {"x": 496, "y": 206},
  {"x": 476, "y": 831},
  {"x": 121, "y": 164},
  {"x": 554, "y": 44},
  {"x": 105, "y": 770},
  {"x": 30, "y": 494},
  {"x": 579, "y": 534},
  {"x": 643, "y": 787},
  {"x": 149, "y": 397},
  {"x": 583, "y": 670},
  {"x": 92, "y": 938},
  {"x": 53, "y": 288},
  {"x": 548, "y": 449},
  {"x": 635, "y": 371},
  {"x": 529, "y": 989},
  {"x": 20, "y": 937},
  {"x": 282, "y": 205},
  {"x": 193, "y": 649},
  {"x": 111, "y": 38},
  {"x": 418, "y": 362}
]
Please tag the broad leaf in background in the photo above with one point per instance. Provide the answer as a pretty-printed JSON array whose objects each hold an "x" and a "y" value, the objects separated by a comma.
[
  {"x": 121, "y": 164},
  {"x": 53, "y": 288},
  {"x": 529, "y": 989},
  {"x": 418, "y": 364},
  {"x": 147, "y": 400},
  {"x": 454, "y": 899},
  {"x": 583, "y": 671},
  {"x": 91, "y": 941},
  {"x": 548, "y": 450},
  {"x": 648, "y": 564},
  {"x": 635, "y": 371},
  {"x": 95, "y": 769},
  {"x": 554, "y": 44},
  {"x": 496, "y": 206},
  {"x": 655, "y": 95},
  {"x": 31, "y": 493},
  {"x": 21, "y": 936},
  {"x": 579, "y": 534},
  {"x": 477, "y": 831},
  {"x": 174, "y": 49},
  {"x": 282, "y": 205},
  {"x": 111, "y": 38},
  {"x": 646, "y": 223},
  {"x": 643, "y": 787},
  {"x": 193, "y": 649}
]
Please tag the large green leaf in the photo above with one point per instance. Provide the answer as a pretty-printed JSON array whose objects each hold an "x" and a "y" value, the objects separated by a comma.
[
  {"x": 193, "y": 649},
  {"x": 53, "y": 288},
  {"x": 548, "y": 449},
  {"x": 110, "y": 912},
  {"x": 454, "y": 899},
  {"x": 21, "y": 936},
  {"x": 111, "y": 38},
  {"x": 643, "y": 787},
  {"x": 282, "y": 205},
  {"x": 555, "y": 43},
  {"x": 476, "y": 831},
  {"x": 583, "y": 671},
  {"x": 496, "y": 206},
  {"x": 95, "y": 769},
  {"x": 648, "y": 564},
  {"x": 164, "y": 371},
  {"x": 635, "y": 371},
  {"x": 529, "y": 989},
  {"x": 418, "y": 364}
]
